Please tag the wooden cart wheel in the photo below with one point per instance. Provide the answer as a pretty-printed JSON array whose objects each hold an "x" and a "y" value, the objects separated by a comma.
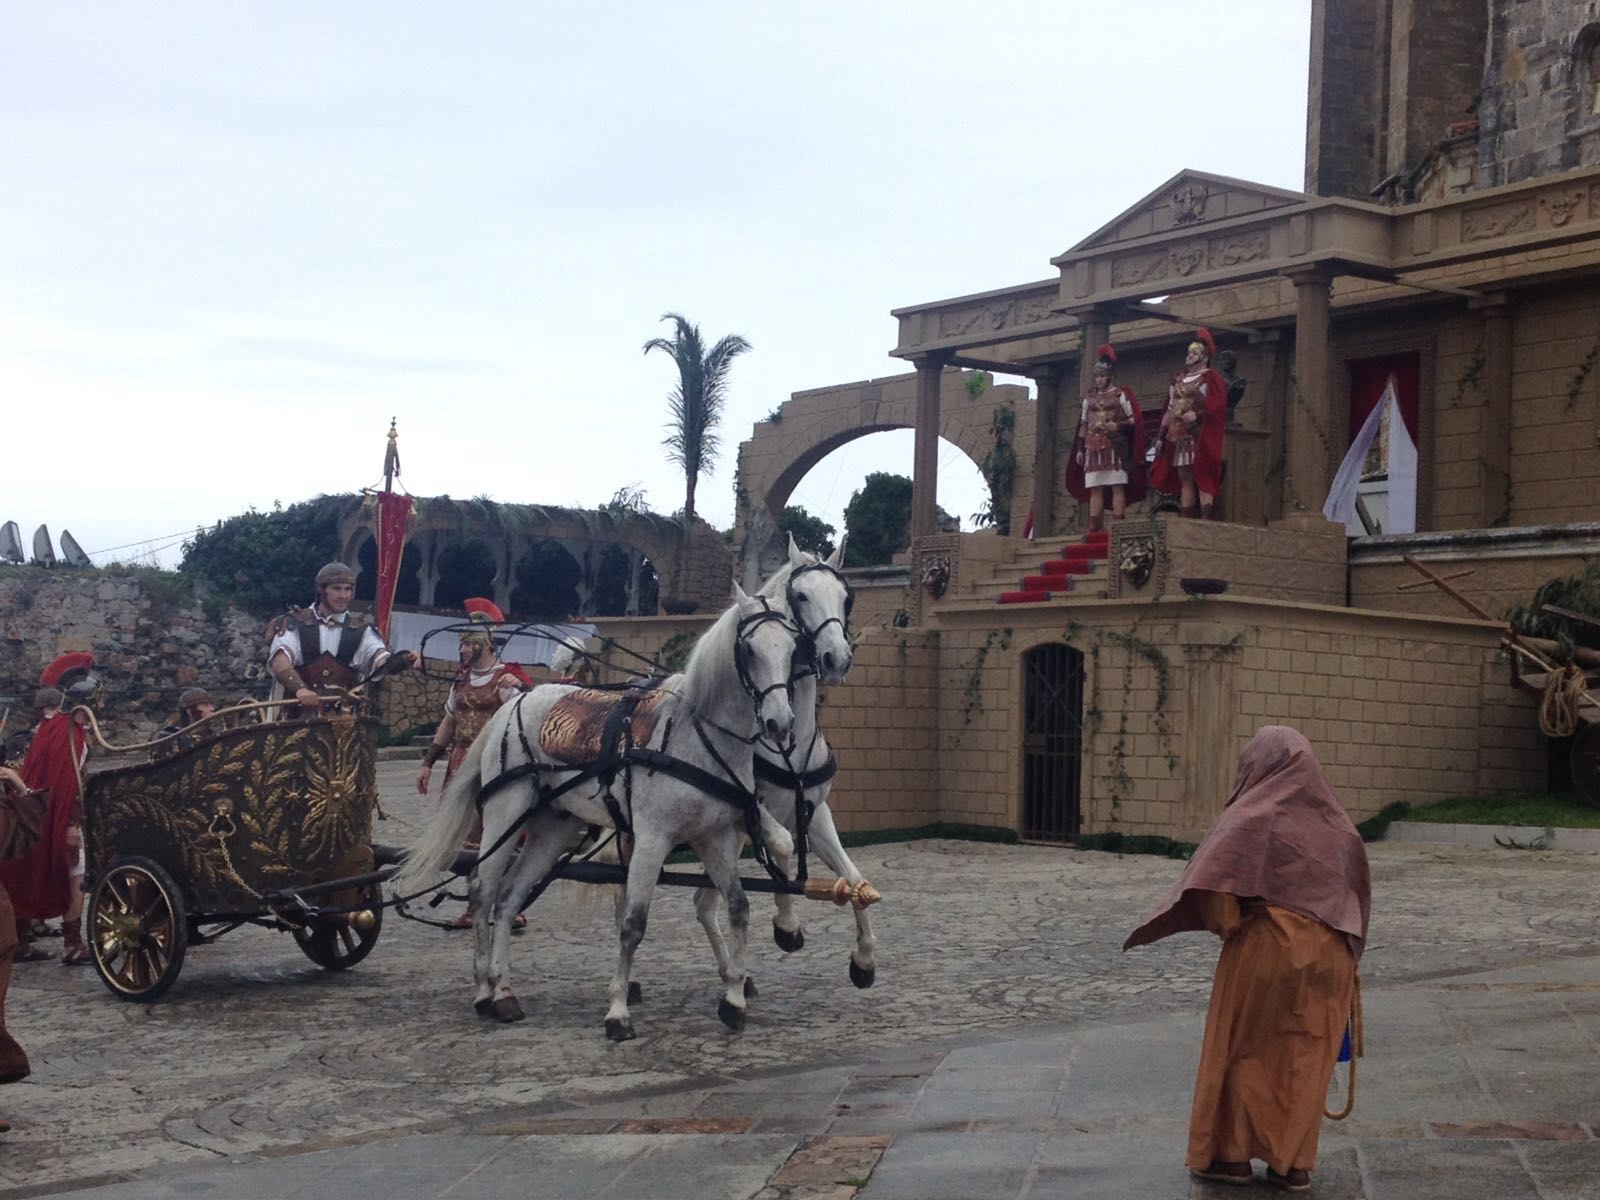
[
  {"x": 340, "y": 944},
  {"x": 1586, "y": 763},
  {"x": 137, "y": 929}
]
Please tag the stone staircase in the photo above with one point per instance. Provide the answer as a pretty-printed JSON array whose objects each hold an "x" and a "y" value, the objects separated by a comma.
[{"x": 1047, "y": 570}]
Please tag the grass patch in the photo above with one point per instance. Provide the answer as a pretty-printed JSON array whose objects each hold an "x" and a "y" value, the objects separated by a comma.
[
  {"x": 1122, "y": 843},
  {"x": 1558, "y": 810}
]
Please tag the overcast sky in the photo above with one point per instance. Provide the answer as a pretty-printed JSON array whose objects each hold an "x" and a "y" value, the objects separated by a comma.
[{"x": 236, "y": 238}]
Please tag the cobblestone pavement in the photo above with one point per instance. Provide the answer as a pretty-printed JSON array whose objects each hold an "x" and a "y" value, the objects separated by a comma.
[{"x": 257, "y": 1051}]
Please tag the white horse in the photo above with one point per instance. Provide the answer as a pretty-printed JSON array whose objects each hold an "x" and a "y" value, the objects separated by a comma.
[
  {"x": 816, "y": 598},
  {"x": 735, "y": 691}
]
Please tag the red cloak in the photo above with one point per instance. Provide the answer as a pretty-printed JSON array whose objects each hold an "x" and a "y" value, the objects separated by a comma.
[
  {"x": 39, "y": 884},
  {"x": 1137, "y": 484},
  {"x": 1207, "y": 445}
]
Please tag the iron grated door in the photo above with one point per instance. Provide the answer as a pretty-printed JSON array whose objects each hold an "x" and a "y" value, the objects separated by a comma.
[{"x": 1052, "y": 743}]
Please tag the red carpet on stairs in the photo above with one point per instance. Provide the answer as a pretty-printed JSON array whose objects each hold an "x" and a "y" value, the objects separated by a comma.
[{"x": 1055, "y": 575}]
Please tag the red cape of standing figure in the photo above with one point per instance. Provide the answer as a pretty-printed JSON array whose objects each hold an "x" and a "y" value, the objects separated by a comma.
[
  {"x": 38, "y": 882},
  {"x": 1137, "y": 484},
  {"x": 1207, "y": 445}
]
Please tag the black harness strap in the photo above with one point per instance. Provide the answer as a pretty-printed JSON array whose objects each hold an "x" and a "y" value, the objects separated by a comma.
[{"x": 770, "y": 772}]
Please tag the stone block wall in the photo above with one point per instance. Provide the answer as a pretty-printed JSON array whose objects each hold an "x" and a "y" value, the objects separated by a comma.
[
  {"x": 1536, "y": 115},
  {"x": 1400, "y": 708},
  {"x": 153, "y": 634},
  {"x": 1275, "y": 563}
]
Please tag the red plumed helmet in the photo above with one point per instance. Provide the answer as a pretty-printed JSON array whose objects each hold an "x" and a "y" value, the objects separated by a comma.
[
  {"x": 487, "y": 611},
  {"x": 1105, "y": 352},
  {"x": 1203, "y": 336},
  {"x": 56, "y": 674}
]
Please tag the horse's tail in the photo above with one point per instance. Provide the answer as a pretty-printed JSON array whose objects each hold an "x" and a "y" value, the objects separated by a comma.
[{"x": 451, "y": 822}]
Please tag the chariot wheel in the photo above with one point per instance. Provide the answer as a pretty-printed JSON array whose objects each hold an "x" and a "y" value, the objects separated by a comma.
[
  {"x": 137, "y": 929},
  {"x": 1585, "y": 762},
  {"x": 338, "y": 945}
]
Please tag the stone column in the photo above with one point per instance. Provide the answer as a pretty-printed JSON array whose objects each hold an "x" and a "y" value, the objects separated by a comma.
[
  {"x": 925, "y": 456},
  {"x": 1274, "y": 351},
  {"x": 428, "y": 547},
  {"x": 1310, "y": 433},
  {"x": 1046, "y": 453},
  {"x": 1494, "y": 473}
]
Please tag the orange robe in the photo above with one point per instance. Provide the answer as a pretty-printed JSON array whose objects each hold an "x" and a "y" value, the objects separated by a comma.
[{"x": 1279, "y": 1007}]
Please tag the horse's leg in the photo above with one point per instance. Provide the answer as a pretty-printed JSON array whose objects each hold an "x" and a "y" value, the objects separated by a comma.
[
  {"x": 619, "y": 897},
  {"x": 650, "y": 850},
  {"x": 786, "y": 931},
  {"x": 706, "y": 903},
  {"x": 825, "y": 841},
  {"x": 548, "y": 835},
  {"x": 485, "y": 883},
  {"x": 720, "y": 855}
]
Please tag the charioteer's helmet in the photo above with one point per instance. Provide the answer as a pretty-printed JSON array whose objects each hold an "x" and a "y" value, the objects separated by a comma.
[
  {"x": 1105, "y": 359},
  {"x": 71, "y": 677},
  {"x": 1205, "y": 343},
  {"x": 334, "y": 572},
  {"x": 482, "y": 615},
  {"x": 193, "y": 697}
]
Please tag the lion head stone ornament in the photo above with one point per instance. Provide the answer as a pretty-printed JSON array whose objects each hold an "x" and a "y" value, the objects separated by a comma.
[
  {"x": 1138, "y": 561},
  {"x": 936, "y": 574}
]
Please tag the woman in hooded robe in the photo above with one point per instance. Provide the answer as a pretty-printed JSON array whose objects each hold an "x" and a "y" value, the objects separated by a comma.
[{"x": 1282, "y": 878}]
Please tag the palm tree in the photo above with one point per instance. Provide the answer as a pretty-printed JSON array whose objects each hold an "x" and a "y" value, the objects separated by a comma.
[{"x": 697, "y": 401}]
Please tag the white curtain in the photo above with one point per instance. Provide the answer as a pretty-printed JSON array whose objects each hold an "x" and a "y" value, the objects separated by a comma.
[{"x": 1402, "y": 469}]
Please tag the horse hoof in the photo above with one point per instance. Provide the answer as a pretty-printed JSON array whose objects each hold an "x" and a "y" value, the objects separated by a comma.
[
  {"x": 750, "y": 992},
  {"x": 732, "y": 1015},
  {"x": 788, "y": 942},
  {"x": 635, "y": 992},
  {"x": 619, "y": 1031},
  {"x": 862, "y": 977},
  {"x": 484, "y": 1007},
  {"x": 507, "y": 1009}
]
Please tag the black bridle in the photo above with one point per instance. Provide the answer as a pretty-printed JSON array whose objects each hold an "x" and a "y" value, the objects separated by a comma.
[
  {"x": 741, "y": 660},
  {"x": 806, "y": 643}
]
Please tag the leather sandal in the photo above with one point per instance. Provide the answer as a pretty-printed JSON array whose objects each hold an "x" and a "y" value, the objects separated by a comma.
[
  {"x": 75, "y": 955},
  {"x": 28, "y": 952},
  {"x": 1236, "y": 1173},
  {"x": 464, "y": 921},
  {"x": 1297, "y": 1180}
]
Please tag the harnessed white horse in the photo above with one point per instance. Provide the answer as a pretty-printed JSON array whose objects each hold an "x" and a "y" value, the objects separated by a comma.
[
  {"x": 735, "y": 691},
  {"x": 816, "y": 598}
]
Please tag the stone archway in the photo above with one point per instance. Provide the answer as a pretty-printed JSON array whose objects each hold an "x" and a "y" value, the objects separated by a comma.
[{"x": 813, "y": 424}]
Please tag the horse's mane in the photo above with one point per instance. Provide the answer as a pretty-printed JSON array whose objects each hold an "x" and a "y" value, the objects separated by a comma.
[
  {"x": 774, "y": 588},
  {"x": 711, "y": 670}
]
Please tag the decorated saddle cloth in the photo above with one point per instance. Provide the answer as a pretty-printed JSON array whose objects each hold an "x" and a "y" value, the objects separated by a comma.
[{"x": 584, "y": 728}]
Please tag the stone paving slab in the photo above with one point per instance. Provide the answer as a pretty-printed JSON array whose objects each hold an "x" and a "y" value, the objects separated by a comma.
[{"x": 998, "y": 965}]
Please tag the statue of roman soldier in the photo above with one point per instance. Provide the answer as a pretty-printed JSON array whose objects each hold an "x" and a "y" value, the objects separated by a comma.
[
  {"x": 1108, "y": 453},
  {"x": 1189, "y": 464}
]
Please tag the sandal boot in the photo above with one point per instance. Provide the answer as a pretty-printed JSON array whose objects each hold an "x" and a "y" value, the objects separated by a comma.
[
  {"x": 74, "y": 951},
  {"x": 1236, "y": 1173}
]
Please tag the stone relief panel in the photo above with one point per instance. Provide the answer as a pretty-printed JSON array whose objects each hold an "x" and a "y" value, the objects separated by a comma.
[
  {"x": 1185, "y": 258},
  {"x": 1498, "y": 220},
  {"x": 1559, "y": 207},
  {"x": 994, "y": 315}
]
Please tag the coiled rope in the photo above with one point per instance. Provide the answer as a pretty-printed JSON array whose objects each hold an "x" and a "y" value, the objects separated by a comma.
[
  {"x": 1564, "y": 689},
  {"x": 1357, "y": 1049}
]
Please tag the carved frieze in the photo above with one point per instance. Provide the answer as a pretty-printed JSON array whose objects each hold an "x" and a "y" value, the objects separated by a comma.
[
  {"x": 1187, "y": 257},
  {"x": 1560, "y": 206},
  {"x": 1498, "y": 220},
  {"x": 1230, "y": 252},
  {"x": 992, "y": 316}
]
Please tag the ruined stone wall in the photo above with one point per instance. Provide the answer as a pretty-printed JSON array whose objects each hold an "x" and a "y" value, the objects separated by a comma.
[
  {"x": 153, "y": 634},
  {"x": 1347, "y": 96}
]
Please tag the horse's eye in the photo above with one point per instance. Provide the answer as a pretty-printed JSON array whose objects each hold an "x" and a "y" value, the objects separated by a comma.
[{"x": 799, "y": 599}]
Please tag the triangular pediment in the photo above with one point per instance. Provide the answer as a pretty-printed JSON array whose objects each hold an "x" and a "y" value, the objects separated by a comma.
[{"x": 1189, "y": 200}]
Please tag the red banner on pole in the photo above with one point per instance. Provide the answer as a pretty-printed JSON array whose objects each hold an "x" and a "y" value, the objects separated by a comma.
[{"x": 394, "y": 513}]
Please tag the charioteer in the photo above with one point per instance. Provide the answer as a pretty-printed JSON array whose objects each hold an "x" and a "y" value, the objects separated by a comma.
[{"x": 319, "y": 651}]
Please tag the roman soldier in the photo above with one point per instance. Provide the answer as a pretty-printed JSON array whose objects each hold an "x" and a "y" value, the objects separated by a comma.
[
  {"x": 321, "y": 650},
  {"x": 1108, "y": 455},
  {"x": 482, "y": 684},
  {"x": 48, "y": 881},
  {"x": 1189, "y": 464}
]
